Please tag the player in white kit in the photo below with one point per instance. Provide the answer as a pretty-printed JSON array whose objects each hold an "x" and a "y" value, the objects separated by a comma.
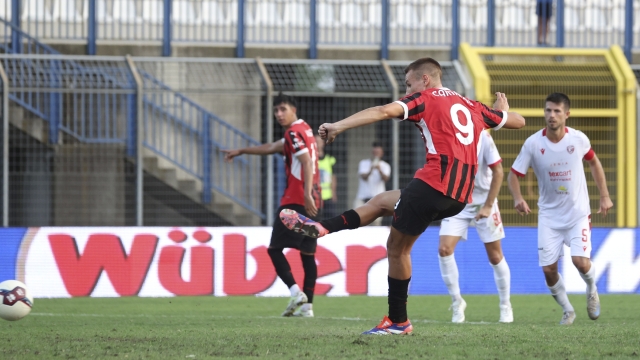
[
  {"x": 484, "y": 213},
  {"x": 555, "y": 153}
]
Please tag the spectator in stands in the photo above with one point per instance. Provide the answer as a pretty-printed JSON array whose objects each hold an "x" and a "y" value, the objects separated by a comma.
[
  {"x": 374, "y": 173},
  {"x": 328, "y": 179},
  {"x": 544, "y": 11}
]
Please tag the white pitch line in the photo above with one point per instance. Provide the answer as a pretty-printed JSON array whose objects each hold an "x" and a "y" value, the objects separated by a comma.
[{"x": 248, "y": 317}]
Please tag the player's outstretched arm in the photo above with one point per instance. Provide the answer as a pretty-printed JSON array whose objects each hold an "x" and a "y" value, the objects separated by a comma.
[
  {"x": 514, "y": 120},
  {"x": 519, "y": 202},
  {"x": 598, "y": 176},
  {"x": 329, "y": 131},
  {"x": 264, "y": 149}
]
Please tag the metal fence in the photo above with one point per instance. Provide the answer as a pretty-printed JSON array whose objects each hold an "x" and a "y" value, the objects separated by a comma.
[
  {"x": 310, "y": 23},
  {"x": 85, "y": 167}
]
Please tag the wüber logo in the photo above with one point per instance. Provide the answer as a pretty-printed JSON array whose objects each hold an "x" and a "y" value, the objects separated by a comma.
[{"x": 562, "y": 190}]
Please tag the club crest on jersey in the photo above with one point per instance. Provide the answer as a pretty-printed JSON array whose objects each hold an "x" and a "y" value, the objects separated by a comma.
[
  {"x": 542, "y": 151},
  {"x": 570, "y": 149}
]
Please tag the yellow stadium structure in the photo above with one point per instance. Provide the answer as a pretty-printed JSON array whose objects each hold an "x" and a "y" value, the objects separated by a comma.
[{"x": 602, "y": 89}]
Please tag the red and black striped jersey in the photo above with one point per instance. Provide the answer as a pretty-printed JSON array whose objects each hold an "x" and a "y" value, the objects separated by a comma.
[
  {"x": 298, "y": 139},
  {"x": 450, "y": 125}
]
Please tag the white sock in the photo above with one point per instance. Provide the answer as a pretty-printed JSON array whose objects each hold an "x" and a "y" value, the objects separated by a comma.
[
  {"x": 306, "y": 307},
  {"x": 502, "y": 276},
  {"x": 590, "y": 279},
  {"x": 295, "y": 289},
  {"x": 560, "y": 294},
  {"x": 449, "y": 272}
]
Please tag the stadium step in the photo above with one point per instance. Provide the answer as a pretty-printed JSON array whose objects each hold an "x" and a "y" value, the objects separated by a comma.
[{"x": 190, "y": 186}]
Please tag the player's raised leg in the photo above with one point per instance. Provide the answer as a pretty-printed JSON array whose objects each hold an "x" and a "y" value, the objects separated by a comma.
[
  {"x": 550, "y": 249},
  {"x": 448, "y": 266},
  {"x": 380, "y": 205}
]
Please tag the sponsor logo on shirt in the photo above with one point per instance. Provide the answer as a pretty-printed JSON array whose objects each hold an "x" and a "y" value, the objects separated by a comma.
[
  {"x": 562, "y": 190},
  {"x": 560, "y": 175},
  {"x": 570, "y": 149}
]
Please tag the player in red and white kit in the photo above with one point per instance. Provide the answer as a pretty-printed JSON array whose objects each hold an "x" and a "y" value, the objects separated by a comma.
[
  {"x": 555, "y": 153},
  {"x": 483, "y": 212},
  {"x": 302, "y": 194},
  {"x": 450, "y": 125}
]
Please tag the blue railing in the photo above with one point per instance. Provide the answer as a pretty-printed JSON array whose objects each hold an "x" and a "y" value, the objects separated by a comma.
[
  {"x": 175, "y": 127},
  {"x": 377, "y": 23},
  {"x": 191, "y": 137}
]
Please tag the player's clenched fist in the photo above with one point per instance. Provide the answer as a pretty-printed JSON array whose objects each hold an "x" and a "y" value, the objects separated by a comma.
[
  {"x": 522, "y": 207},
  {"x": 501, "y": 102},
  {"x": 328, "y": 132}
]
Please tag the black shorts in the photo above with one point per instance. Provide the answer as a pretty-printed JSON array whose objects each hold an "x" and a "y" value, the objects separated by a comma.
[
  {"x": 419, "y": 205},
  {"x": 544, "y": 9},
  {"x": 281, "y": 237}
]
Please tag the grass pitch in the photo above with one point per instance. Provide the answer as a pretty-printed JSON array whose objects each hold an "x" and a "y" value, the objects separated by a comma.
[{"x": 242, "y": 327}]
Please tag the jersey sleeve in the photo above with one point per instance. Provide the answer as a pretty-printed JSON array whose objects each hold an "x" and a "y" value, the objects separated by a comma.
[
  {"x": 523, "y": 161},
  {"x": 586, "y": 150},
  {"x": 413, "y": 106},
  {"x": 492, "y": 119},
  {"x": 490, "y": 153},
  {"x": 296, "y": 142}
]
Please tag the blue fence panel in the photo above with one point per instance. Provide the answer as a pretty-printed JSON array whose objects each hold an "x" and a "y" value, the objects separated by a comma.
[
  {"x": 213, "y": 21},
  {"x": 420, "y": 22},
  {"x": 349, "y": 22},
  {"x": 270, "y": 21},
  {"x": 597, "y": 23},
  {"x": 57, "y": 19},
  {"x": 414, "y": 23},
  {"x": 129, "y": 20}
]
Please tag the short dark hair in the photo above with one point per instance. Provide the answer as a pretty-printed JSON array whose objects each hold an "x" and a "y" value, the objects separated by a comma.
[
  {"x": 427, "y": 65},
  {"x": 284, "y": 99},
  {"x": 376, "y": 144},
  {"x": 559, "y": 98}
]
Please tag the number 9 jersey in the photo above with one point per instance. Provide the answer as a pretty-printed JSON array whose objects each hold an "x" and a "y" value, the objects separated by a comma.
[{"x": 450, "y": 126}]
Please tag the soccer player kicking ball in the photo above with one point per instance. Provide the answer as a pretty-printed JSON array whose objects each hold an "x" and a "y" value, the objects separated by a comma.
[
  {"x": 302, "y": 195},
  {"x": 450, "y": 125},
  {"x": 484, "y": 212},
  {"x": 555, "y": 153}
]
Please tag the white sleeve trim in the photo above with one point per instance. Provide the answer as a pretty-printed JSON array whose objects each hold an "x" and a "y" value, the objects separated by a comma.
[
  {"x": 505, "y": 115},
  {"x": 406, "y": 109},
  {"x": 303, "y": 151}
]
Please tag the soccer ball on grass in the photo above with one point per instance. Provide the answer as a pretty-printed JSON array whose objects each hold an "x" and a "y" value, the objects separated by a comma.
[{"x": 15, "y": 300}]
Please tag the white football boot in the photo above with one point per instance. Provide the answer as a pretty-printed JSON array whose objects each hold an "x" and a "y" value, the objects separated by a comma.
[
  {"x": 302, "y": 312},
  {"x": 506, "y": 314},
  {"x": 458, "y": 311},
  {"x": 593, "y": 306},
  {"x": 568, "y": 317},
  {"x": 295, "y": 302}
]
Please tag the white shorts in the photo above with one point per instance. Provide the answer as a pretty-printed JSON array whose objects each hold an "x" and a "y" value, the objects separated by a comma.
[
  {"x": 489, "y": 229},
  {"x": 550, "y": 241}
]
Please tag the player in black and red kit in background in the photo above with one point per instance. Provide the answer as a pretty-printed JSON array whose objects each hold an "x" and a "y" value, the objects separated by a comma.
[
  {"x": 450, "y": 126},
  {"x": 302, "y": 194}
]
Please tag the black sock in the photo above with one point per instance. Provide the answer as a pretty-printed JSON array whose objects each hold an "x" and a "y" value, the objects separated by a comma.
[
  {"x": 347, "y": 221},
  {"x": 282, "y": 266},
  {"x": 398, "y": 294},
  {"x": 310, "y": 275}
]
